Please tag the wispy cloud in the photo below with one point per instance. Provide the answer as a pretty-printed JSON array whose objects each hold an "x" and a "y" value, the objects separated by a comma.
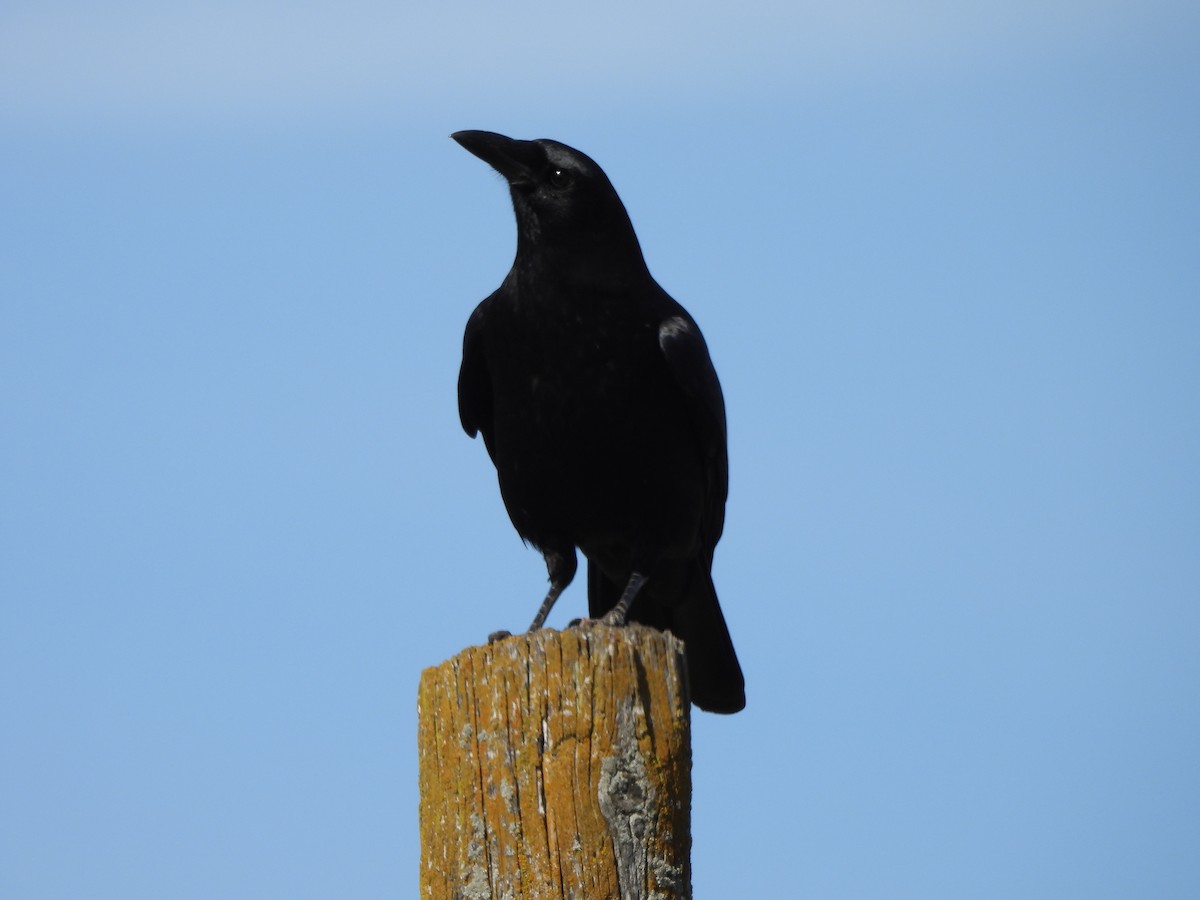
[{"x": 250, "y": 58}]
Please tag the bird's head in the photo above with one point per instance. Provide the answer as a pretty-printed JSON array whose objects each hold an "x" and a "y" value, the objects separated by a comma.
[{"x": 566, "y": 208}]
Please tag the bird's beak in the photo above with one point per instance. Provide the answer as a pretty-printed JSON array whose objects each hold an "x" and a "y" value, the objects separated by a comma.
[{"x": 512, "y": 159}]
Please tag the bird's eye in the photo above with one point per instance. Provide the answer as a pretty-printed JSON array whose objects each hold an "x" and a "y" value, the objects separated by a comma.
[{"x": 560, "y": 179}]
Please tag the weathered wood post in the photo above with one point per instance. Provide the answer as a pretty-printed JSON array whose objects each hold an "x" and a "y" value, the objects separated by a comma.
[{"x": 557, "y": 765}]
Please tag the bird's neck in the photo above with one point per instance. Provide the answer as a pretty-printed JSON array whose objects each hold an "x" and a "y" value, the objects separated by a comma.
[{"x": 602, "y": 265}]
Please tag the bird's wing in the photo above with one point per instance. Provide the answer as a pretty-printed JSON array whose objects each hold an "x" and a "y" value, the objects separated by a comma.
[
  {"x": 475, "y": 382},
  {"x": 687, "y": 357}
]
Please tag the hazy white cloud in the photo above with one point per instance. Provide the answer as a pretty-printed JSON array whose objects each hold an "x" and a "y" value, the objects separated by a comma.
[{"x": 251, "y": 58}]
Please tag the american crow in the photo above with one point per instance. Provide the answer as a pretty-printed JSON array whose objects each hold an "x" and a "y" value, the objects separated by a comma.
[{"x": 601, "y": 410}]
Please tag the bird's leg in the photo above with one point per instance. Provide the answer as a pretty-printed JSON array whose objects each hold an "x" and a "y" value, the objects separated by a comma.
[
  {"x": 561, "y": 566},
  {"x": 616, "y": 615},
  {"x": 544, "y": 610}
]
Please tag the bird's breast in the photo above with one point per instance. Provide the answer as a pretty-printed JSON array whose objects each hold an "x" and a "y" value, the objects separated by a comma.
[{"x": 589, "y": 427}]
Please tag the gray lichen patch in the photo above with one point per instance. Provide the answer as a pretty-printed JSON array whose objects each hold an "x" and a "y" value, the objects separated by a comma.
[{"x": 628, "y": 803}]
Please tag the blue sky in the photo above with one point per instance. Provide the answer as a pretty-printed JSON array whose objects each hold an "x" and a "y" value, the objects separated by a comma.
[{"x": 946, "y": 259}]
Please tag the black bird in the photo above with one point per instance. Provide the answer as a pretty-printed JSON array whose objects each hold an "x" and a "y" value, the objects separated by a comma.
[{"x": 601, "y": 409}]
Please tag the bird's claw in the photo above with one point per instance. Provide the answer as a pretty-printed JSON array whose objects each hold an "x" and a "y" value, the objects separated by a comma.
[
  {"x": 498, "y": 636},
  {"x": 609, "y": 620}
]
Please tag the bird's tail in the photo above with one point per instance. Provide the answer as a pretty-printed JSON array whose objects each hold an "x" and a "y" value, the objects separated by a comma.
[{"x": 714, "y": 674}]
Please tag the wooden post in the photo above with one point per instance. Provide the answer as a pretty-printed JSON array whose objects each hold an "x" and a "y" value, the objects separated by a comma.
[{"x": 557, "y": 765}]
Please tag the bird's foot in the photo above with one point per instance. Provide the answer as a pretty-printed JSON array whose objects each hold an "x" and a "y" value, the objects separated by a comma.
[
  {"x": 614, "y": 618},
  {"x": 498, "y": 636},
  {"x": 608, "y": 619},
  {"x": 617, "y": 616}
]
